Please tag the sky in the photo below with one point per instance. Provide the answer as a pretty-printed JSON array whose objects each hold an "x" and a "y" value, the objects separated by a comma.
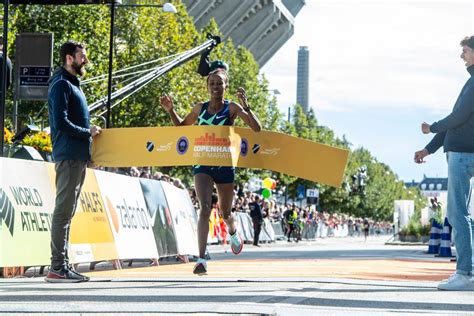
[{"x": 378, "y": 69}]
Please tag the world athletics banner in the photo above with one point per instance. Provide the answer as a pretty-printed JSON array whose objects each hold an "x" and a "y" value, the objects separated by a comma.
[
  {"x": 26, "y": 211},
  {"x": 220, "y": 146}
]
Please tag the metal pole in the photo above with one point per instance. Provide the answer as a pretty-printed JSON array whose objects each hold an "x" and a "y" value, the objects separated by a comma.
[
  {"x": 3, "y": 89},
  {"x": 15, "y": 114},
  {"x": 111, "y": 53}
]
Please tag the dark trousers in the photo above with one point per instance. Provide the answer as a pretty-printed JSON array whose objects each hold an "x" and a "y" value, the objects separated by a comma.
[
  {"x": 291, "y": 228},
  {"x": 257, "y": 228},
  {"x": 70, "y": 175}
]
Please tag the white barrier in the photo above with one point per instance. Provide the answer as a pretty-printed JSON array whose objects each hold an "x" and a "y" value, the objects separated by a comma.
[
  {"x": 112, "y": 221},
  {"x": 128, "y": 214},
  {"x": 163, "y": 228},
  {"x": 244, "y": 225},
  {"x": 184, "y": 219}
]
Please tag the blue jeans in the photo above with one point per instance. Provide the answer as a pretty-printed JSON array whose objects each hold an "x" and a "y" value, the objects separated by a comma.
[{"x": 460, "y": 172}]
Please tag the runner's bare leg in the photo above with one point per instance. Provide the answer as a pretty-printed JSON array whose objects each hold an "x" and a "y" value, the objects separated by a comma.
[
  {"x": 204, "y": 186},
  {"x": 226, "y": 198}
]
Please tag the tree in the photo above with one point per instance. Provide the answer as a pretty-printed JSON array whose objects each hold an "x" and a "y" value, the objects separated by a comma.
[
  {"x": 148, "y": 34},
  {"x": 65, "y": 22},
  {"x": 142, "y": 35}
]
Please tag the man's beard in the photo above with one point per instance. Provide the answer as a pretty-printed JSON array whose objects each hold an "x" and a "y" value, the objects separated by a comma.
[{"x": 78, "y": 68}]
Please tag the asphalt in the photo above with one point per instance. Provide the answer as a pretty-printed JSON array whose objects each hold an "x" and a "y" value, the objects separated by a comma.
[{"x": 330, "y": 277}]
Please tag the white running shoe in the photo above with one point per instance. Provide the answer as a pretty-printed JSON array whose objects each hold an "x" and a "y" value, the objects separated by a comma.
[
  {"x": 236, "y": 243},
  {"x": 200, "y": 267},
  {"x": 457, "y": 282}
]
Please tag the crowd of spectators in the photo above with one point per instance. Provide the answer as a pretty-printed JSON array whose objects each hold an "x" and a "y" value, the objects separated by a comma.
[
  {"x": 146, "y": 172},
  {"x": 304, "y": 219},
  {"x": 335, "y": 224}
]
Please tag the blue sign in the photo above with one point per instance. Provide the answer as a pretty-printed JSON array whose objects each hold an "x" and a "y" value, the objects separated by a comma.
[
  {"x": 34, "y": 75},
  {"x": 300, "y": 191}
]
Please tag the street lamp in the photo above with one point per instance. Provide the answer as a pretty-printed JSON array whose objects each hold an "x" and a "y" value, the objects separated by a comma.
[
  {"x": 276, "y": 92},
  {"x": 167, "y": 7}
]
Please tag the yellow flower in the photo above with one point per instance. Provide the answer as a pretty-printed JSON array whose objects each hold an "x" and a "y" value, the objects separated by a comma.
[
  {"x": 7, "y": 136},
  {"x": 41, "y": 141}
]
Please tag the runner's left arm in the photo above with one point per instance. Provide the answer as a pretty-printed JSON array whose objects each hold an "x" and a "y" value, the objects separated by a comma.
[{"x": 245, "y": 112}]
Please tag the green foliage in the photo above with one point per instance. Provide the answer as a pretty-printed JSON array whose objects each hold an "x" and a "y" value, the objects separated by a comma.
[
  {"x": 146, "y": 34},
  {"x": 142, "y": 35},
  {"x": 65, "y": 23},
  {"x": 437, "y": 214},
  {"x": 414, "y": 228}
]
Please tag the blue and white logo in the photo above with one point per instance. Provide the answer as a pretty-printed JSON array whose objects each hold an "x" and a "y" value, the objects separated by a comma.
[
  {"x": 182, "y": 145},
  {"x": 256, "y": 148},
  {"x": 244, "y": 147},
  {"x": 150, "y": 146}
]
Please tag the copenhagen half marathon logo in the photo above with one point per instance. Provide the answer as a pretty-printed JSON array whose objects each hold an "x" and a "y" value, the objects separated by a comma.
[
  {"x": 182, "y": 145},
  {"x": 7, "y": 212},
  {"x": 244, "y": 147}
]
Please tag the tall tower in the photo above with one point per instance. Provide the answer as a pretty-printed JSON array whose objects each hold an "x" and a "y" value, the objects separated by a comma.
[{"x": 302, "y": 83}]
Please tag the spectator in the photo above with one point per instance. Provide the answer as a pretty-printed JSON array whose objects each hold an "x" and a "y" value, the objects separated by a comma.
[
  {"x": 257, "y": 218},
  {"x": 134, "y": 172},
  {"x": 177, "y": 183}
]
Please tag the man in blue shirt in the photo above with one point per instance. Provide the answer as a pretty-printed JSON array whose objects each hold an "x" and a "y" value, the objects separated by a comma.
[
  {"x": 455, "y": 133},
  {"x": 71, "y": 135}
]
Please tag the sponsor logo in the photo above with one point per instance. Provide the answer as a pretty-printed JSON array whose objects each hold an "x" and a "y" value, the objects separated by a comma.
[
  {"x": 220, "y": 116},
  {"x": 38, "y": 222},
  {"x": 270, "y": 151},
  {"x": 166, "y": 147},
  {"x": 255, "y": 148},
  {"x": 128, "y": 216},
  {"x": 244, "y": 147},
  {"x": 30, "y": 221},
  {"x": 113, "y": 214},
  {"x": 150, "y": 146},
  {"x": 7, "y": 212},
  {"x": 90, "y": 202},
  {"x": 182, "y": 145}
]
